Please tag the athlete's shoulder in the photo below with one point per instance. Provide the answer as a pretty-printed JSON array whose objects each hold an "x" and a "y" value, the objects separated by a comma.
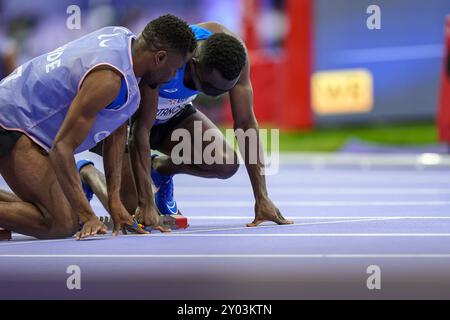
[
  {"x": 216, "y": 27},
  {"x": 114, "y": 29},
  {"x": 213, "y": 26},
  {"x": 115, "y": 38},
  {"x": 112, "y": 32}
]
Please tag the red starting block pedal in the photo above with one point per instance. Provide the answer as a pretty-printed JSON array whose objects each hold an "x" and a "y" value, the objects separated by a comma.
[
  {"x": 5, "y": 234},
  {"x": 175, "y": 221}
]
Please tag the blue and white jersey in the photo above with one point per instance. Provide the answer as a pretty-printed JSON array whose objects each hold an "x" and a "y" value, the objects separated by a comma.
[
  {"x": 37, "y": 96},
  {"x": 174, "y": 95}
]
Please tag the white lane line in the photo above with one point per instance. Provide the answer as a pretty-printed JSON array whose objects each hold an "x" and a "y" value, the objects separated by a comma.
[
  {"x": 344, "y": 220},
  {"x": 319, "y": 218},
  {"x": 239, "y": 204},
  {"x": 234, "y": 256},
  {"x": 6, "y": 244},
  {"x": 36, "y": 241},
  {"x": 204, "y": 191},
  {"x": 282, "y": 226}
]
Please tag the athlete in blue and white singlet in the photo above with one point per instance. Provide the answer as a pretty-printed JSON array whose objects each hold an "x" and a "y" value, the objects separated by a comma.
[
  {"x": 174, "y": 95},
  {"x": 219, "y": 65}
]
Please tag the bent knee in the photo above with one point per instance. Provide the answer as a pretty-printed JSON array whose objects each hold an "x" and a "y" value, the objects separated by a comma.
[
  {"x": 64, "y": 229},
  {"x": 226, "y": 171},
  {"x": 228, "y": 167}
]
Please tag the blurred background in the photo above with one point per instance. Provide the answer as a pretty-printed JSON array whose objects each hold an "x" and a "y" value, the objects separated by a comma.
[{"x": 319, "y": 73}]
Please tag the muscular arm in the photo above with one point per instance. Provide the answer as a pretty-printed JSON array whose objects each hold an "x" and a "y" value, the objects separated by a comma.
[
  {"x": 113, "y": 150},
  {"x": 113, "y": 153},
  {"x": 241, "y": 98},
  {"x": 98, "y": 90},
  {"x": 140, "y": 153}
]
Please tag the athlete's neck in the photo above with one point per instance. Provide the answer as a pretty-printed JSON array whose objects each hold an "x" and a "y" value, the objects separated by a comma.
[{"x": 136, "y": 57}]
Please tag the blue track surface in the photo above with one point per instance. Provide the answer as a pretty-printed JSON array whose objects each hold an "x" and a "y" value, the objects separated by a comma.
[{"x": 346, "y": 220}]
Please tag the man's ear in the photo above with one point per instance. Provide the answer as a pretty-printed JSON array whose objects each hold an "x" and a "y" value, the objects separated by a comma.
[
  {"x": 160, "y": 56},
  {"x": 196, "y": 64}
]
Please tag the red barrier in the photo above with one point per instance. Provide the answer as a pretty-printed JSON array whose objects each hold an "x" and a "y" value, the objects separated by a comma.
[
  {"x": 250, "y": 15},
  {"x": 281, "y": 84},
  {"x": 444, "y": 98},
  {"x": 296, "y": 111}
]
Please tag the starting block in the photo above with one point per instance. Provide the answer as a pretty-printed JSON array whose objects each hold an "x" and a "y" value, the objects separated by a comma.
[
  {"x": 5, "y": 234},
  {"x": 108, "y": 222},
  {"x": 175, "y": 221}
]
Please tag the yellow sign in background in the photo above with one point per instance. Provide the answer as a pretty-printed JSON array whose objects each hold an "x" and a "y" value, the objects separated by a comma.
[{"x": 342, "y": 91}]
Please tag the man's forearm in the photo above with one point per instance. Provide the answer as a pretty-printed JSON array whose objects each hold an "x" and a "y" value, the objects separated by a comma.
[
  {"x": 140, "y": 165},
  {"x": 258, "y": 181},
  {"x": 113, "y": 152},
  {"x": 64, "y": 166},
  {"x": 254, "y": 170}
]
